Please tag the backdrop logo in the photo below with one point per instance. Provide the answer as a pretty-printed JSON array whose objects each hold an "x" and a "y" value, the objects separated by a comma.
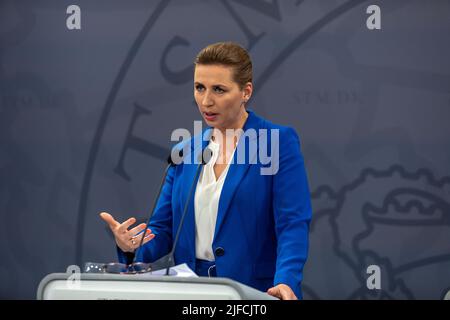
[
  {"x": 328, "y": 97},
  {"x": 384, "y": 226}
]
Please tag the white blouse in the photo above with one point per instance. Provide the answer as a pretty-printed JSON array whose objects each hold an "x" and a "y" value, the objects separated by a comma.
[{"x": 206, "y": 204}]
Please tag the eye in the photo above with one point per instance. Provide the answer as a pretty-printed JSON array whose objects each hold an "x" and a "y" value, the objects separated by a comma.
[
  {"x": 219, "y": 90},
  {"x": 199, "y": 87}
]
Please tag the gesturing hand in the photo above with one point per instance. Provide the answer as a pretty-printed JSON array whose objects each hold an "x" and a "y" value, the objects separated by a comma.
[{"x": 127, "y": 240}]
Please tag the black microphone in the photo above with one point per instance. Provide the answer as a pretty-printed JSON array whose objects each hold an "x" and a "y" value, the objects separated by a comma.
[
  {"x": 178, "y": 156},
  {"x": 167, "y": 261}
]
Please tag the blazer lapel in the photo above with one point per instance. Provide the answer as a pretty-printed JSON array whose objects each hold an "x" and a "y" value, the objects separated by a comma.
[{"x": 236, "y": 172}]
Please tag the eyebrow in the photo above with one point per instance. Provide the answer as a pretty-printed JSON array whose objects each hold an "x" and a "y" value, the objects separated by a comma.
[{"x": 214, "y": 85}]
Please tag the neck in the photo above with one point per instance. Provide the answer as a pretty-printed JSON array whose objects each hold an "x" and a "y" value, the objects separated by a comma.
[
  {"x": 239, "y": 124},
  {"x": 221, "y": 136}
]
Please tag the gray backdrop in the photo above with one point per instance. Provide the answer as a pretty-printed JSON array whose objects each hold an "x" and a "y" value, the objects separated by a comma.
[{"x": 86, "y": 117}]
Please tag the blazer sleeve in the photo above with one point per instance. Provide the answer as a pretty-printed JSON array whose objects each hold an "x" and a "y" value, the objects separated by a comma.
[
  {"x": 292, "y": 212},
  {"x": 161, "y": 226}
]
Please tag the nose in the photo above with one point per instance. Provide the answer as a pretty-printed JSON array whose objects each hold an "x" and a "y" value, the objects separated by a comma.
[{"x": 207, "y": 100}]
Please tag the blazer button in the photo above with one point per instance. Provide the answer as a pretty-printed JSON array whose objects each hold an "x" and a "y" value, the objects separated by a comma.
[{"x": 219, "y": 251}]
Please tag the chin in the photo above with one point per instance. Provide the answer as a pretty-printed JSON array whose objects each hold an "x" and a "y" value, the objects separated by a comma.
[{"x": 212, "y": 123}]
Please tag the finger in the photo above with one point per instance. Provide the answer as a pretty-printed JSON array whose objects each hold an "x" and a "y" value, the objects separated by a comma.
[
  {"x": 109, "y": 220},
  {"x": 140, "y": 234},
  {"x": 137, "y": 230},
  {"x": 287, "y": 294},
  {"x": 124, "y": 226},
  {"x": 148, "y": 238},
  {"x": 274, "y": 291},
  {"x": 134, "y": 242}
]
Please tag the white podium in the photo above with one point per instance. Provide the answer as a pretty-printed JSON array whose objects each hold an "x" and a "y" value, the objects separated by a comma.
[{"x": 89, "y": 286}]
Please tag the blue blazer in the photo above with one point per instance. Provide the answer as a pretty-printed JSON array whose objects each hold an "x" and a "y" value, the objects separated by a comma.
[{"x": 262, "y": 222}]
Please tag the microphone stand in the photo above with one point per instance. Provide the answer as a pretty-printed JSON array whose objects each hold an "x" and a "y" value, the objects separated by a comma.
[
  {"x": 153, "y": 208},
  {"x": 167, "y": 261}
]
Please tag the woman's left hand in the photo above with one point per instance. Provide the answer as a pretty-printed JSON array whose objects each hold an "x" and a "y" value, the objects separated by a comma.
[{"x": 282, "y": 292}]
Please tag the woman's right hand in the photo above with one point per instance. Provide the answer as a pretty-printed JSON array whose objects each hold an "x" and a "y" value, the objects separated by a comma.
[{"x": 127, "y": 240}]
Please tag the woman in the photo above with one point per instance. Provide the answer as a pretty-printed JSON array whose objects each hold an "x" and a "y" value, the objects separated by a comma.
[{"x": 241, "y": 224}]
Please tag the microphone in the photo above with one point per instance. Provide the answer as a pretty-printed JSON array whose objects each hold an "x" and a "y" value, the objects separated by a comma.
[
  {"x": 167, "y": 261},
  {"x": 175, "y": 154}
]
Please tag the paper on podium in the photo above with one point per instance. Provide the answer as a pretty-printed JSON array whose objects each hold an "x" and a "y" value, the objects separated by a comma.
[{"x": 181, "y": 270}]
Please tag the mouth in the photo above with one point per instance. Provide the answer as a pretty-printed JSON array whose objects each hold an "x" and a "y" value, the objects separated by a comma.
[{"x": 210, "y": 116}]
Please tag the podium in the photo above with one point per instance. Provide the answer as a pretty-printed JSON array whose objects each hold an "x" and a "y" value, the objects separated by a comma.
[{"x": 58, "y": 286}]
